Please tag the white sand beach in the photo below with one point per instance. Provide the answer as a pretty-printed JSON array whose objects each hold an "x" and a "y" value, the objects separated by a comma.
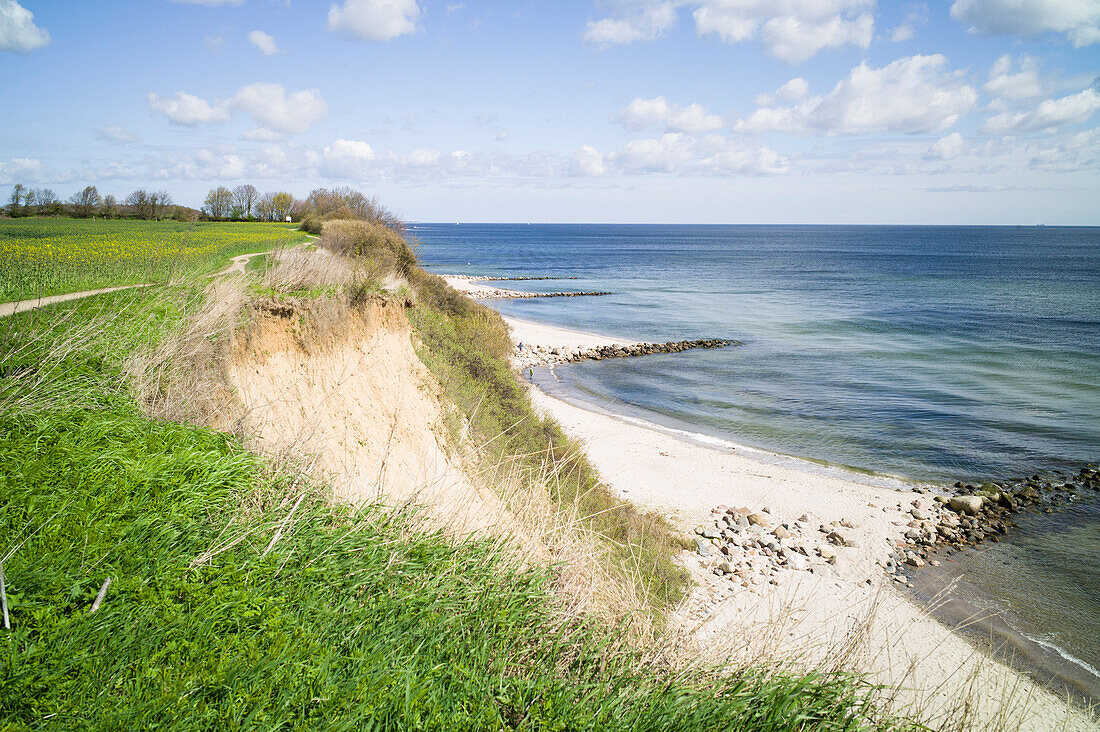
[{"x": 843, "y": 614}]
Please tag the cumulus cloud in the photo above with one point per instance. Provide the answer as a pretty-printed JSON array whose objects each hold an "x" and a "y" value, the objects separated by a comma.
[
  {"x": 659, "y": 112},
  {"x": 347, "y": 159},
  {"x": 916, "y": 94},
  {"x": 1072, "y": 153},
  {"x": 587, "y": 162},
  {"x": 683, "y": 154},
  {"x": 374, "y": 20},
  {"x": 116, "y": 134},
  {"x": 22, "y": 170},
  {"x": 18, "y": 33},
  {"x": 186, "y": 109},
  {"x": 946, "y": 148},
  {"x": 1006, "y": 83},
  {"x": 272, "y": 107},
  {"x": 790, "y": 30},
  {"x": 793, "y": 90},
  {"x": 738, "y": 156},
  {"x": 634, "y": 20},
  {"x": 264, "y": 42},
  {"x": 916, "y": 17},
  {"x": 1050, "y": 115},
  {"x": 268, "y": 104},
  {"x": 1079, "y": 20}
]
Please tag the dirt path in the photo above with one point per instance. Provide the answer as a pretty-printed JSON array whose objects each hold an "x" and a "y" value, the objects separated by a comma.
[
  {"x": 11, "y": 308},
  {"x": 238, "y": 264}
]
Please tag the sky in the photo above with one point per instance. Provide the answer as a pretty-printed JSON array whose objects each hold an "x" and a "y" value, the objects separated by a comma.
[{"x": 643, "y": 111}]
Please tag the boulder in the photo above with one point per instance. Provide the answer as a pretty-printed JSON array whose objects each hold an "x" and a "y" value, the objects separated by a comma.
[
  {"x": 966, "y": 504},
  {"x": 756, "y": 519}
]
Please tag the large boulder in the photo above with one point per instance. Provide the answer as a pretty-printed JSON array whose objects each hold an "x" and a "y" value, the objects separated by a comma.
[{"x": 966, "y": 504}]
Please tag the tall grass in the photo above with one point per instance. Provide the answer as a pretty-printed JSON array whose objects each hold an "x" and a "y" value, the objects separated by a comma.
[{"x": 240, "y": 597}]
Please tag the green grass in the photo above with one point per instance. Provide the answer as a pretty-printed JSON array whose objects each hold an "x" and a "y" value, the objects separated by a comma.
[
  {"x": 46, "y": 256},
  {"x": 351, "y": 621}
]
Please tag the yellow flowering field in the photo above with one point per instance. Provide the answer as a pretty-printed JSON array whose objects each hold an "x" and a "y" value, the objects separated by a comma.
[{"x": 47, "y": 256}]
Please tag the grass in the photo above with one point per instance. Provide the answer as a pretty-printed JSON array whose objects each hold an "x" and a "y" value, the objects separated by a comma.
[
  {"x": 241, "y": 596},
  {"x": 47, "y": 256},
  {"x": 347, "y": 621}
]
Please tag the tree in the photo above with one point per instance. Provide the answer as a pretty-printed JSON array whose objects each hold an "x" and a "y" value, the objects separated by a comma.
[
  {"x": 245, "y": 198},
  {"x": 140, "y": 204},
  {"x": 15, "y": 203},
  {"x": 48, "y": 202},
  {"x": 218, "y": 202},
  {"x": 86, "y": 202},
  {"x": 110, "y": 205},
  {"x": 265, "y": 207},
  {"x": 282, "y": 201},
  {"x": 159, "y": 202}
]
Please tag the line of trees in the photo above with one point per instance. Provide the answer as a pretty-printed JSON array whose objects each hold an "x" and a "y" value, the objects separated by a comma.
[
  {"x": 245, "y": 203},
  {"x": 86, "y": 203}
]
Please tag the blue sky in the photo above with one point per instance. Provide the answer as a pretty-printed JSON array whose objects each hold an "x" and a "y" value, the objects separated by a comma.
[{"x": 693, "y": 111}]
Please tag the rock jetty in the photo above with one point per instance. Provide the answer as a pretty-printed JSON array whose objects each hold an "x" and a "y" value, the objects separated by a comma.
[
  {"x": 470, "y": 278},
  {"x": 949, "y": 523},
  {"x": 495, "y": 293},
  {"x": 528, "y": 356}
]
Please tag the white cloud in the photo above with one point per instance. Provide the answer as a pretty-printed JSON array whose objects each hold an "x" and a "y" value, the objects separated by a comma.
[
  {"x": 738, "y": 156},
  {"x": 946, "y": 148},
  {"x": 662, "y": 154},
  {"x": 373, "y": 20},
  {"x": 1050, "y": 115},
  {"x": 915, "y": 94},
  {"x": 116, "y": 134},
  {"x": 903, "y": 32},
  {"x": 634, "y": 20},
  {"x": 793, "y": 90},
  {"x": 261, "y": 134},
  {"x": 1006, "y": 84},
  {"x": 454, "y": 8},
  {"x": 22, "y": 170},
  {"x": 18, "y": 33},
  {"x": 347, "y": 159},
  {"x": 268, "y": 104},
  {"x": 659, "y": 112},
  {"x": 1078, "y": 19},
  {"x": 272, "y": 107},
  {"x": 587, "y": 162},
  {"x": 915, "y": 18},
  {"x": 790, "y": 30},
  {"x": 186, "y": 109},
  {"x": 502, "y": 135},
  {"x": 264, "y": 42},
  {"x": 1076, "y": 152}
]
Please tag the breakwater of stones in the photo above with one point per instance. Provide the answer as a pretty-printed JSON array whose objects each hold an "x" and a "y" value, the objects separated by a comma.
[
  {"x": 976, "y": 513},
  {"x": 527, "y": 355},
  {"x": 471, "y": 278},
  {"x": 498, "y": 294}
]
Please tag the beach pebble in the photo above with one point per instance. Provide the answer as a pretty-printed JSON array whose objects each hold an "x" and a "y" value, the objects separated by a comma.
[{"x": 965, "y": 504}]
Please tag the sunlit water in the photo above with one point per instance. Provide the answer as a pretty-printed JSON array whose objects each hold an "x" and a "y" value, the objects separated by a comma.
[{"x": 930, "y": 353}]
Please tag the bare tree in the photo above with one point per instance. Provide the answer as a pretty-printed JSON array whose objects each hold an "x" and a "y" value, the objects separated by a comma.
[
  {"x": 48, "y": 202},
  {"x": 110, "y": 205},
  {"x": 245, "y": 197},
  {"x": 140, "y": 204},
  {"x": 18, "y": 194},
  {"x": 218, "y": 203},
  {"x": 86, "y": 202},
  {"x": 160, "y": 201},
  {"x": 265, "y": 207}
]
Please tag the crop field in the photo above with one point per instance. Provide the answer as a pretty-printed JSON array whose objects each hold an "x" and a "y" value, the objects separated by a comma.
[{"x": 40, "y": 257}]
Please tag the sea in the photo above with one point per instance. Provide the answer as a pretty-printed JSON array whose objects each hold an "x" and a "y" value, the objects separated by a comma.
[{"x": 925, "y": 354}]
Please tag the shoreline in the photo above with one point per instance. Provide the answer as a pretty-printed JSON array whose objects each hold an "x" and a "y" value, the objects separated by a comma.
[
  {"x": 805, "y": 616},
  {"x": 845, "y": 614}
]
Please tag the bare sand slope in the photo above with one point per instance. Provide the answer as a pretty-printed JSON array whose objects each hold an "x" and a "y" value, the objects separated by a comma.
[
  {"x": 844, "y": 614},
  {"x": 365, "y": 406}
]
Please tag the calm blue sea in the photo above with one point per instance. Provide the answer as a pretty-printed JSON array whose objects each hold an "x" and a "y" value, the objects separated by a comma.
[{"x": 930, "y": 353}]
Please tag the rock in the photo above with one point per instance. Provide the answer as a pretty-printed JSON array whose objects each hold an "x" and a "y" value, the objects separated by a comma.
[
  {"x": 919, "y": 514},
  {"x": 797, "y": 562},
  {"x": 781, "y": 533},
  {"x": 965, "y": 504},
  {"x": 847, "y": 524},
  {"x": 725, "y": 568},
  {"x": 835, "y": 538},
  {"x": 914, "y": 561},
  {"x": 703, "y": 547},
  {"x": 756, "y": 519},
  {"x": 712, "y": 532}
]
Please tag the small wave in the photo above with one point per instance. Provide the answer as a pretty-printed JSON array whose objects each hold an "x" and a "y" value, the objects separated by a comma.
[{"x": 1066, "y": 655}]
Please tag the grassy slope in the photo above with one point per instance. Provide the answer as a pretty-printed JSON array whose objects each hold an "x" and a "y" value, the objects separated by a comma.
[
  {"x": 46, "y": 256},
  {"x": 349, "y": 622}
]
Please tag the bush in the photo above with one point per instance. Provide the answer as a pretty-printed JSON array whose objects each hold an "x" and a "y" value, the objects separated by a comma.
[
  {"x": 311, "y": 225},
  {"x": 384, "y": 247}
]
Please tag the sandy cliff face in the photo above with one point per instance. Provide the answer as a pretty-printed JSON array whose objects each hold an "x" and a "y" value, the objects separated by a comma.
[{"x": 355, "y": 397}]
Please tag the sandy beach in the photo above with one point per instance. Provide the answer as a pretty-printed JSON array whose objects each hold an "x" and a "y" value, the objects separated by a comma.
[{"x": 838, "y": 609}]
